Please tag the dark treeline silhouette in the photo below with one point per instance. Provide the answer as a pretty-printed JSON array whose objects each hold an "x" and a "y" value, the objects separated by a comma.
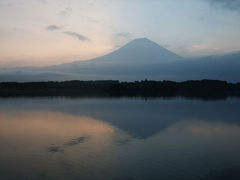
[{"x": 205, "y": 89}]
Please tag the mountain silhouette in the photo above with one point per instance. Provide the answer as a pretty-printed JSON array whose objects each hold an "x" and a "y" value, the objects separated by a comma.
[
  {"x": 137, "y": 60},
  {"x": 138, "y": 51}
]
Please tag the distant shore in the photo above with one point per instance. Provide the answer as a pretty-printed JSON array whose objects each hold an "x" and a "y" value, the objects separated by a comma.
[{"x": 203, "y": 89}]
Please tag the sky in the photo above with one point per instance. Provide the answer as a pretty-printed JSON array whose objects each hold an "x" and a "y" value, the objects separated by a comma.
[{"x": 49, "y": 32}]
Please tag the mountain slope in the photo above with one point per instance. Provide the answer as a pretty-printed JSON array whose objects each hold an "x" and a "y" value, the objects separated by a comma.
[
  {"x": 137, "y": 52},
  {"x": 140, "y": 51},
  {"x": 137, "y": 60}
]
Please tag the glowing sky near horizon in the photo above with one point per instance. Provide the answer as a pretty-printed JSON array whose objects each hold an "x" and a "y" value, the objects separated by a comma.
[{"x": 47, "y": 32}]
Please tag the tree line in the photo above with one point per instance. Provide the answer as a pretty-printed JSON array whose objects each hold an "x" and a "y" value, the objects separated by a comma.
[{"x": 207, "y": 89}]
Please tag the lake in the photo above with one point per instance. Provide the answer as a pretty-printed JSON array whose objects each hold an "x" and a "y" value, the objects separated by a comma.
[{"x": 119, "y": 138}]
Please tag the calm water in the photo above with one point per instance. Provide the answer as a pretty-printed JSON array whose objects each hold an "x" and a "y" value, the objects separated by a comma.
[{"x": 87, "y": 138}]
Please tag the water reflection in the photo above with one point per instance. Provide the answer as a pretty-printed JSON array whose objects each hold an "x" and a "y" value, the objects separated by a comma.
[
  {"x": 119, "y": 139},
  {"x": 30, "y": 138}
]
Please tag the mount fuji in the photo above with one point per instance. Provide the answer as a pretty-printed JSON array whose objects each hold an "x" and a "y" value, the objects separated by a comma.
[{"x": 137, "y": 60}]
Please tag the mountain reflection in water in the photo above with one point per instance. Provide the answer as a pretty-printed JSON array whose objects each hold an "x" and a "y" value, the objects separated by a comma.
[{"x": 119, "y": 139}]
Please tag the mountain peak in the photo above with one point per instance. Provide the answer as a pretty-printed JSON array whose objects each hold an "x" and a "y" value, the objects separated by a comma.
[
  {"x": 142, "y": 50},
  {"x": 144, "y": 44},
  {"x": 142, "y": 41}
]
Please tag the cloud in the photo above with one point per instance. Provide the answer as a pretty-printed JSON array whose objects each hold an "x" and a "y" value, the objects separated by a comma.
[
  {"x": 54, "y": 149},
  {"x": 73, "y": 142},
  {"x": 54, "y": 27},
  {"x": 124, "y": 35},
  {"x": 66, "y": 11},
  {"x": 227, "y": 4},
  {"x": 77, "y": 141},
  {"x": 76, "y": 35}
]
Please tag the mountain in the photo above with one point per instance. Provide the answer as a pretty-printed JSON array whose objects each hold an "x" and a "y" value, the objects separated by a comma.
[
  {"x": 138, "y": 51},
  {"x": 133, "y": 61},
  {"x": 137, "y": 60}
]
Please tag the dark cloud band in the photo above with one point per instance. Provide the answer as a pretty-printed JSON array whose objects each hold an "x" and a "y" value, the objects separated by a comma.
[
  {"x": 227, "y": 4},
  {"x": 54, "y": 27},
  {"x": 76, "y": 35}
]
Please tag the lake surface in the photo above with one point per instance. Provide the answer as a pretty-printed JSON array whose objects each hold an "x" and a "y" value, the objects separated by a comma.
[{"x": 103, "y": 138}]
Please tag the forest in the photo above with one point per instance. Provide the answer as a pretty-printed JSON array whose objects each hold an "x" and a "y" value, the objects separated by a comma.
[{"x": 204, "y": 89}]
